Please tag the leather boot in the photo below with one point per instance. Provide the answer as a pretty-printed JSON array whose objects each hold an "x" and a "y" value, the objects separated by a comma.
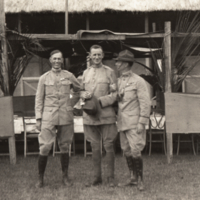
[
  {"x": 110, "y": 163},
  {"x": 96, "y": 159},
  {"x": 42, "y": 162},
  {"x": 132, "y": 168},
  {"x": 133, "y": 175},
  {"x": 64, "y": 159},
  {"x": 139, "y": 167}
]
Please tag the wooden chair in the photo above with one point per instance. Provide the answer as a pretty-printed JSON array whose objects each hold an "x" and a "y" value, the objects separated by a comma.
[
  {"x": 24, "y": 106},
  {"x": 86, "y": 152},
  {"x": 189, "y": 139},
  {"x": 78, "y": 128},
  {"x": 160, "y": 135},
  {"x": 157, "y": 129}
]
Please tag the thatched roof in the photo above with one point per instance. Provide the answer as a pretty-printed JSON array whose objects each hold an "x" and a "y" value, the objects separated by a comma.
[{"x": 16, "y": 6}]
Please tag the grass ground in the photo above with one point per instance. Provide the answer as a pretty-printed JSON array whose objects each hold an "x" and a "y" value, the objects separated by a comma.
[{"x": 177, "y": 181}]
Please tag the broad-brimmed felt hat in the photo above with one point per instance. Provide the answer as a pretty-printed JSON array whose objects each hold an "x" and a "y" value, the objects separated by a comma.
[
  {"x": 125, "y": 55},
  {"x": 91, "y": 106}
]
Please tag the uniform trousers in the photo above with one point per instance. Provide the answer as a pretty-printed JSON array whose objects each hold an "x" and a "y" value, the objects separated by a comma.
[
  {"x": 46, "y": 138},
  {"x": 94, "y": 133},
  {"x": 132, "y": 143}
]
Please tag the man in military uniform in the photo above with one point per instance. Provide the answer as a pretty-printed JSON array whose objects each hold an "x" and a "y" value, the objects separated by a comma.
[
  {"x": 54, "y": 111},
  {"x": 133, "y": 115},
  {"x": 99, "y": 81}
]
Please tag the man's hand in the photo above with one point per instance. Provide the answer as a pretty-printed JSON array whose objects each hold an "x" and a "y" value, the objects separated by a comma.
[
  {"x": 86, "y": 95},
  {"x": 38, "y": 124},
  {"x": 140, "y": 128}
]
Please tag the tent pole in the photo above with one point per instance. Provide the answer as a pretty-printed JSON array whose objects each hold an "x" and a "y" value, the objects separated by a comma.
[
  {"x": 66, "y": 17},
  {"x": 167, "y": 56},
  {"x": 87, "y": 21},
  {"x": 148, "y": 60},
  {"x": 4, "y": 47},
  {"x": 67, "y": 60},
  {"x": 146, "y": 23},
  {"x": 87, "y": 28}
]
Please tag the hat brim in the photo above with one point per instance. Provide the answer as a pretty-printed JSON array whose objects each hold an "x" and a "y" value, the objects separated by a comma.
[{"x": 124, "y": 59}]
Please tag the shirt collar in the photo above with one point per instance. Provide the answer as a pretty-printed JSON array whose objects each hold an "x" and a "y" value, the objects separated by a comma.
[
  {"x": 56, "y": 70},
  {"x": 94, "y": 66},
  {"x": 126, "y": 74}
]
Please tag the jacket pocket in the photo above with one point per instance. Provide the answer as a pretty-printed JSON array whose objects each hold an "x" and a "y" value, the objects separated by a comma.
[
  {"x": 130, "y": 92},
  {"x": 66, "y": 85},
  {"x": 49, "y": 87},
  {"x": 102, "y": 87},
  {"x": 47, "y": 113}
]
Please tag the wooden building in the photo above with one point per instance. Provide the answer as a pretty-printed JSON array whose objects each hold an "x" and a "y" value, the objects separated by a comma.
[{"x": 57, "y": 17}]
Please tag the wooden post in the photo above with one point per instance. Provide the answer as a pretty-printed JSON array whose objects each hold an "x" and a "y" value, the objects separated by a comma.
[
  {"x": 19, "y": 27},
  {"x": 67, "y": 60},
  {"x": 148, "y": 60},
  {"x": 167, "y": 56},
  {"x": 66, "y": 17},
  {"x": 146, "y": 23},
  {"x": 146, "y": 29},
  {"x": 87, "y": 28},
  {"x": 153, "y": 27},
  {"x": 87, "y": 21},
  {"x": 4, "y": 47}
]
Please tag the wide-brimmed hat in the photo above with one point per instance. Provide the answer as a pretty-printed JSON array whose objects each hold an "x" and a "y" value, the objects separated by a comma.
[
  {"x": 91, "y": 106},
  {"x": 125, "y": 55}
]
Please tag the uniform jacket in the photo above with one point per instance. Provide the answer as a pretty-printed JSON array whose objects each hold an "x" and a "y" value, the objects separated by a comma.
[
  {"x": 101, "y": 82},
  {"x": 134, "y": 105},
  {"x": 53, "y": 101}
]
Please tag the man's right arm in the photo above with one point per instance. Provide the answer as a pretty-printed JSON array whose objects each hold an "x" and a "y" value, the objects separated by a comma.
[
  {"x": 84, "y": 94},
  {"x": 39, "y": 101}
]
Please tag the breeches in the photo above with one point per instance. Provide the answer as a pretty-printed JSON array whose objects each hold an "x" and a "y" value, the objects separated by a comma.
[
  {"x": 108, "y": 133},
  {"x": 48, "y": 134},
  {"x": 132, "y": 143}
]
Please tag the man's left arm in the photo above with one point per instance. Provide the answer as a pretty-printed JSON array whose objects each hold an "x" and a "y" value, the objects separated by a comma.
[
  {"x": 144, "y": 102},
  {"x": 112, "y": 96}
]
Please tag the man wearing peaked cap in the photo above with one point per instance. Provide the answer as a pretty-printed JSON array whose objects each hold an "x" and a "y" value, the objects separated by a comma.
[
  {"x": 53, "y": 112},
  {"x": 133, "y": 115}
]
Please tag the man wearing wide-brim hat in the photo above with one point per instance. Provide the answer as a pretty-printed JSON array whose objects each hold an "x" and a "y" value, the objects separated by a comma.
[{"x": 133, "y": 115}]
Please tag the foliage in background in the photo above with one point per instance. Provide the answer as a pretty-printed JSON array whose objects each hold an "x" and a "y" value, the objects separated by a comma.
[
  {"x": 20, "y": 50},
  {"x": 185, "y": 43},
  {"x": 183, "y": 47}
]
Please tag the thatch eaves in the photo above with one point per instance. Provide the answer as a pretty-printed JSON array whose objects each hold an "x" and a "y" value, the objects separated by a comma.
[{"x": 80, "y": 6}]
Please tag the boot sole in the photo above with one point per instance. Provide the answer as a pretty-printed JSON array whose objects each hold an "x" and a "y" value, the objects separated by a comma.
[{"x": 93, "y": 184}]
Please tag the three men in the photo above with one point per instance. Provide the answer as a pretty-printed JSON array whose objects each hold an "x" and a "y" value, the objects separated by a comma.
[
  {"x": 133, "y": 115},
  {"x": 99, "y": 81},
  {"x": 54, "y": 112}
]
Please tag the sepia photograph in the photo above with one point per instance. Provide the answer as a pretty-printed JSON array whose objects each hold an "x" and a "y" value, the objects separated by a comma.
[{"x": 99, "y": 100}]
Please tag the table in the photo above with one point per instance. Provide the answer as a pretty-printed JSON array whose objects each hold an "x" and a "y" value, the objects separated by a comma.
[{"x": 31, "y": 125}]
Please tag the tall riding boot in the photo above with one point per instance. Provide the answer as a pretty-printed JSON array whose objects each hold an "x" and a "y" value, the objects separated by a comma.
[
  {"x": 139, "y": 167},
  {"x": 110, "y": 163},
  {"x": 96, "y": 159},
  {"x": 64, "y": 158},
  {"x": 132, "y": 169},
  {"x": 42, "y": 162}
]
